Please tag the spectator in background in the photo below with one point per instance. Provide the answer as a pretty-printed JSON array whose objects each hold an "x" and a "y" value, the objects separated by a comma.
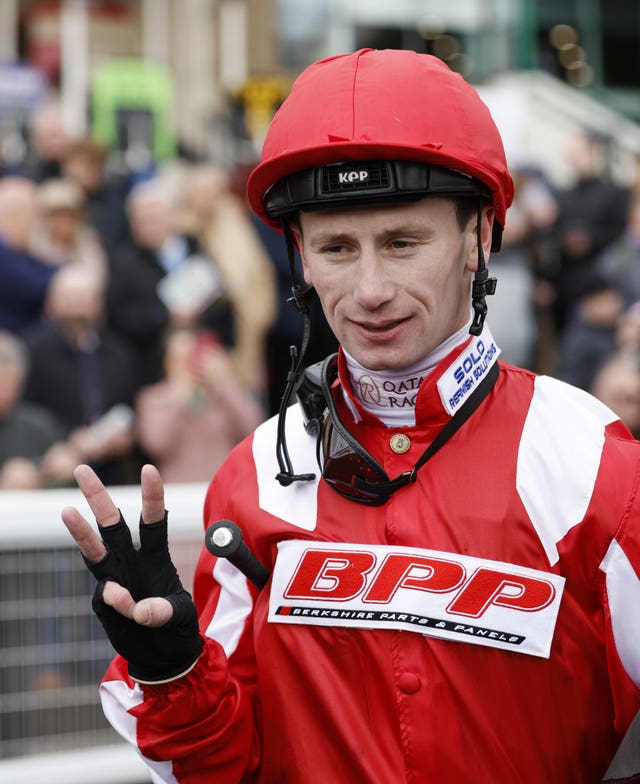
[
  {"x": 161, "y": 279},
  {"x": 62, "y": 236},
  {"x": 287, "y": 329},
  {"x": 24, "y": 279},
  {"x": 610, "y": 289},
  {"x": 27, "y": 430},
  {"x": 619, "y": 263},
  {"x": 592, "y": 214},
  {"x": 617, "y": 385},
  {"x": 49, "y": 143},
  {"x": 189, "y": 422},
  {"x": 219, "y": 219},
  {"x": 628, "y": 329},
  {"x": 590, "y": 335},
  {"x": 104, "y": 195},
  {"x": 83, "y": 373},
  {"x": 513, "y": 317}
]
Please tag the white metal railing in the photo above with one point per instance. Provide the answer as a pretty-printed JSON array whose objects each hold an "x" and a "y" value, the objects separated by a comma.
[{"x": 53, "y": 651}]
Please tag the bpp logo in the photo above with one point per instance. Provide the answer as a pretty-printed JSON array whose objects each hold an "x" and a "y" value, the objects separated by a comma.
[
  {"x": 352, "y": 176},
  {"x": 343, "y": 575}
]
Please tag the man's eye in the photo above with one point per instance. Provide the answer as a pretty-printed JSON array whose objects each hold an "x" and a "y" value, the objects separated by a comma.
[{"x": 401, "y": 244}]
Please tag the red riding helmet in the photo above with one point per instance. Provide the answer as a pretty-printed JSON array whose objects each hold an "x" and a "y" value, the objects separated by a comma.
[{"x": 412, "y": 125}]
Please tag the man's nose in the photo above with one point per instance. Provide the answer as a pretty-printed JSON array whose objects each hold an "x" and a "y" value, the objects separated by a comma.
[{"x": 373, "y": 287}]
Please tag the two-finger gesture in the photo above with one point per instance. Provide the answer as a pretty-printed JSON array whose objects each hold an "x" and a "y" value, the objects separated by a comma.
[{"x": 140, "y": 601}]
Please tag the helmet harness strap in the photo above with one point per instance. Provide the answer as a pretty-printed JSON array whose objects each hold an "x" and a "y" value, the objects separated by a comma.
[
  {"x": 301, "y": 301},
  {"x": 483, "y": 285}
]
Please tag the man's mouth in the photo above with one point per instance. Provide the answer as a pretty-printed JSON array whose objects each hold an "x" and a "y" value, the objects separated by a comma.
[
  {"x": 380, "y": 326},
  {"x": 381, "y": 331}
]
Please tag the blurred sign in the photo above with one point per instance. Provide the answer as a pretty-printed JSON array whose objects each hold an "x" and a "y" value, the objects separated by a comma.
[
  {"x": 132, "y": 106},
  {"x": 260, "y": 98},
  {"x": 21, "y": 88}
]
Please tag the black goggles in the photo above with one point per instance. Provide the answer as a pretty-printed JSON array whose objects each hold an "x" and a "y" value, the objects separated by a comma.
[{"x": 345, "y": 464}]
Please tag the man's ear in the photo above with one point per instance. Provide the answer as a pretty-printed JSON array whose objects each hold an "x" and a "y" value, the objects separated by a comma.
[
  {"x": 296, "y": 231},
  {"x": 487, "y": 216}
]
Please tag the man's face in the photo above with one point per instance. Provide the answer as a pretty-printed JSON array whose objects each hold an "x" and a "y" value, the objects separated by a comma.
[
  {"x": 394, "y": 282},
  {"x": 151, "y": 222},
  {"x": 75, "y": 302}
]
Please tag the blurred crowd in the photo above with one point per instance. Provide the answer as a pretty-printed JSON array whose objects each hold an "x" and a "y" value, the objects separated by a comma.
[
  {"x": 138, "y": 315},
  {"x": 143, "y": 317},
  {"x": 568, "y": 296}
]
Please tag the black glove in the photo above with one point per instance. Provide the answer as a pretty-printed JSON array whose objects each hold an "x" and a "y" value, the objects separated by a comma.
[{"x": 153, "y": 654}]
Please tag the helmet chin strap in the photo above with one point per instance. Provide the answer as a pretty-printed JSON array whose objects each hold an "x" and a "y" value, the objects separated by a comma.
[{"x": 483, "y": 285}]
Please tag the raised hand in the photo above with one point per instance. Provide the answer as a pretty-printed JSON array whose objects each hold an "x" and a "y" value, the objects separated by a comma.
[{"x": 146, "y": 613}]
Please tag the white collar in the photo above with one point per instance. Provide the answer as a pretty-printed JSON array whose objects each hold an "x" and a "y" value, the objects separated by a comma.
[{"x": 390, "y": 395}]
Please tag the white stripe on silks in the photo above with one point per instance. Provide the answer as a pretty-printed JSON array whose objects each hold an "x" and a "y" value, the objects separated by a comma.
[
  {"x": 117, "y": 699},
  {"x": 234, "y": 606},
  {"x": 559, "y": 457},
  {"x": 296, "y": 504},
  {"x": 623, "y": 594}
]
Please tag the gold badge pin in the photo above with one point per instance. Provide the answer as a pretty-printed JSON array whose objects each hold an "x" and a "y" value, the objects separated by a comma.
[{"x": 400, "y": 443}]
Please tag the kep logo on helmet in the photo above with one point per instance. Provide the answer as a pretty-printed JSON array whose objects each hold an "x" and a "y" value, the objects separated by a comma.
[{"x": 352, "y": 176}]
